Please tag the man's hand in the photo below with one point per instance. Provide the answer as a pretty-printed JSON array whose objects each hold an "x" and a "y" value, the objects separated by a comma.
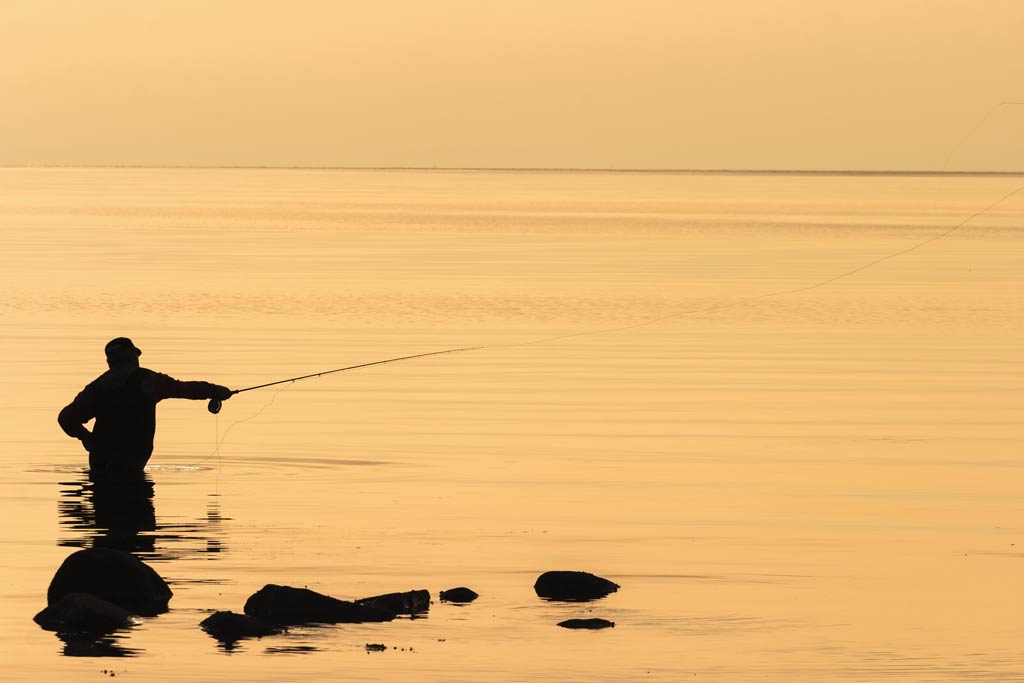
[
  {"x": 223, "y": 393},
  {"x": 87, "y": 441}
]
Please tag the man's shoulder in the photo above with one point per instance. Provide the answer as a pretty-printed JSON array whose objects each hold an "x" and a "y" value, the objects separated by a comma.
[
  {"x": 147, "y": 374},
  {"x": 98, "y": 382},
  {"x": 154, "y": 382},
  {"x": 116, "y": 378}
]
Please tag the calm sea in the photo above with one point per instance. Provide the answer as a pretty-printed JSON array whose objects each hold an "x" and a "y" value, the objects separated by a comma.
[{"x": 823, "y": 485}]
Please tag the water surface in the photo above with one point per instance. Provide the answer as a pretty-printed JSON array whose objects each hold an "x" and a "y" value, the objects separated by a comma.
[{"x": 823, "y": 485}]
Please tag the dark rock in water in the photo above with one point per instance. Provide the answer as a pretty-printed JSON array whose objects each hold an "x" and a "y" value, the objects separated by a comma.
[
  {"x": 228, "y": 627},
  {"x": 287, "y": 605},
  {"x": 115, "y": 576},
  {"x": 81, "y": 613},
  {"x": 576, "y": 586},
  {"x": 376, "y": 647},
  {"x": 410, "y": 602},
  {"x": 587, "y": 623},
  {"x": 460, "y": 594}
]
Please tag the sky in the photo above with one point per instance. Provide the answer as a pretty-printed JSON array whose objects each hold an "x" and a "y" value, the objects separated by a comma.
[{"x": 733, "y": 84}]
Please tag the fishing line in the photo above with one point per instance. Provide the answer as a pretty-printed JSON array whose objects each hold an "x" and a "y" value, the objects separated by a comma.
[
  {"x": 215, "y": 404},
  {"x": 807, "y": 288},
  {"x": 219, "y": 440},
  {"x": 781, "y": 292},
  {"x": 957, "y": 146}
]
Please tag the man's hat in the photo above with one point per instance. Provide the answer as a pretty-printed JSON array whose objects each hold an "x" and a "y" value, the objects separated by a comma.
[{"x": 121, "y": 348}]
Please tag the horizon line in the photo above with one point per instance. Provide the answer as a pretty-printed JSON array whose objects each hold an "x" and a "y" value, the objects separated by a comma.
[{"x": 527, "y": 169}]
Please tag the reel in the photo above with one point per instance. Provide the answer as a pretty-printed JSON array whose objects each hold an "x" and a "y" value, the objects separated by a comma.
[{"x": 214, "y": 405}]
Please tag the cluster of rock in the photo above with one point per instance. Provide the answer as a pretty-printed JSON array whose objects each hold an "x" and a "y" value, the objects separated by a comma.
[
  {"x": 272, "y": 608},
  {"x": 576, "y": 587},
  {"x": 99, "y": 590}
]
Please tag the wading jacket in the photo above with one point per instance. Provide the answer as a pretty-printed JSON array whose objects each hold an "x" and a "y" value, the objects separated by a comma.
[{"x": 123, "y": 402}]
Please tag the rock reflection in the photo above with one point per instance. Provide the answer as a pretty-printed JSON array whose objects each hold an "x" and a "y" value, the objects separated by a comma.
[
  {"x": 291, "y": 650},
  {"x": 106, "y": 646},
  {"x": 118, "y": 511}
]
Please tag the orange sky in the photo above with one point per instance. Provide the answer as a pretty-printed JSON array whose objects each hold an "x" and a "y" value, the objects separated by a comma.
[{"x": 831, "y": 84}]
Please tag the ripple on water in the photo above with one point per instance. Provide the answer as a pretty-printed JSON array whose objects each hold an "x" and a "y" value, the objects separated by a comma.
[{"x": 81, "y": 469}]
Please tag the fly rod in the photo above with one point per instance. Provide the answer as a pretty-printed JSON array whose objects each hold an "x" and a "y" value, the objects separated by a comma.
[{"x": 215, "y": 403}]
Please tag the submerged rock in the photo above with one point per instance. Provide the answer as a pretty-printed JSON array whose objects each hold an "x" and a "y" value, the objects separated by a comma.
[
  {"x": 228, "y": 627},
  {"x": 115, "y": 576},
  {"x": 576, "y": 586},
  {"x": 460, "y": 594},
  {"x": 286, "y": 605},
  {"x": 82, "y": 613},
  {"x": 587, "y": 623},
  {"x": 410, "y": 602}
]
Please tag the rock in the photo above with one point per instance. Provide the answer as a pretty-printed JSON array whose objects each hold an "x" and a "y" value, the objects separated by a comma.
[
  {"x": 286, "y": 605},
  {"x": 376, "y": 647},
  {"x": 460, "y": 594},
  {"x": 115, "y": 576},
  {"x": 587, "y": 623},
  {"x": 576, "y": 586},
  {"x": 228, "y": 627},
  {"x": 82, "y": 613},
  {"x": 410, "y": 602}
]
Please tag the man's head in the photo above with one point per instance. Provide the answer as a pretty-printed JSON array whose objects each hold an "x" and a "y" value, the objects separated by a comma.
[{"x": 120, "y": 351}]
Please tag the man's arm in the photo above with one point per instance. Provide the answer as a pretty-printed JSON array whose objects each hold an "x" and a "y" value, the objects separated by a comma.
[
  {"x": 73, "y": 417},
  {"x": 164, "y": 386}
]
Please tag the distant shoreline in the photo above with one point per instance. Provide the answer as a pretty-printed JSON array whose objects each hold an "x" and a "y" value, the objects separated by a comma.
[{"x": 472, "y": 169}]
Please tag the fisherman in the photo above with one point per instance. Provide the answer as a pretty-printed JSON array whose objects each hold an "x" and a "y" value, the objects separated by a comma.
[{"x": 123, "y": 401}]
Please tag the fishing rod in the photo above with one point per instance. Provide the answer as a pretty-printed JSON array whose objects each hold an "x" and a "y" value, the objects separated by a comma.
[{"x": 215, "y": 403}]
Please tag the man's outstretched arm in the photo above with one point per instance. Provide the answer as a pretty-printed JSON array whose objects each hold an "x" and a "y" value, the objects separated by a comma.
[{"x": 163, "y": 386}]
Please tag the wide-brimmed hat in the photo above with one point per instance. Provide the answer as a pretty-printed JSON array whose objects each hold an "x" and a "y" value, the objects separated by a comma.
[{"x": 121, "y": 348}]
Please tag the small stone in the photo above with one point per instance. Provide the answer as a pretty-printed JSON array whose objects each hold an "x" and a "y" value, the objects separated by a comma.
[
  {"x": 587, "y": 623},
  {"x": 83, "y": 613},
  {"x": 410, "y": 602},
  {"x": 573, "y": 586},
  {"x": 376, "y": 647},
  {"x": 460, "y": 594},
  {"x": 228, "y": 627}
]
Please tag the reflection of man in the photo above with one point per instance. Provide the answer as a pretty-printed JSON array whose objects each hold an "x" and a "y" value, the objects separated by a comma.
[
  {"x": 117, "y": 510},
  {"x": 123, "y": 402},
  {"x": 110, "y": 511}
]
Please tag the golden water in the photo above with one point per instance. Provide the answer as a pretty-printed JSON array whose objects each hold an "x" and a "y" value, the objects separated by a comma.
[{"x": 818, "y": 486}]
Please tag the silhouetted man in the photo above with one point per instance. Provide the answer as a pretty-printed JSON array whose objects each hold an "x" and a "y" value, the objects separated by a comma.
[{"x": 123, "y": 401}]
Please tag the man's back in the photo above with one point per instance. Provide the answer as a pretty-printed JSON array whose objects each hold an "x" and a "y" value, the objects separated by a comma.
[{"x": 122, "y": 437}]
